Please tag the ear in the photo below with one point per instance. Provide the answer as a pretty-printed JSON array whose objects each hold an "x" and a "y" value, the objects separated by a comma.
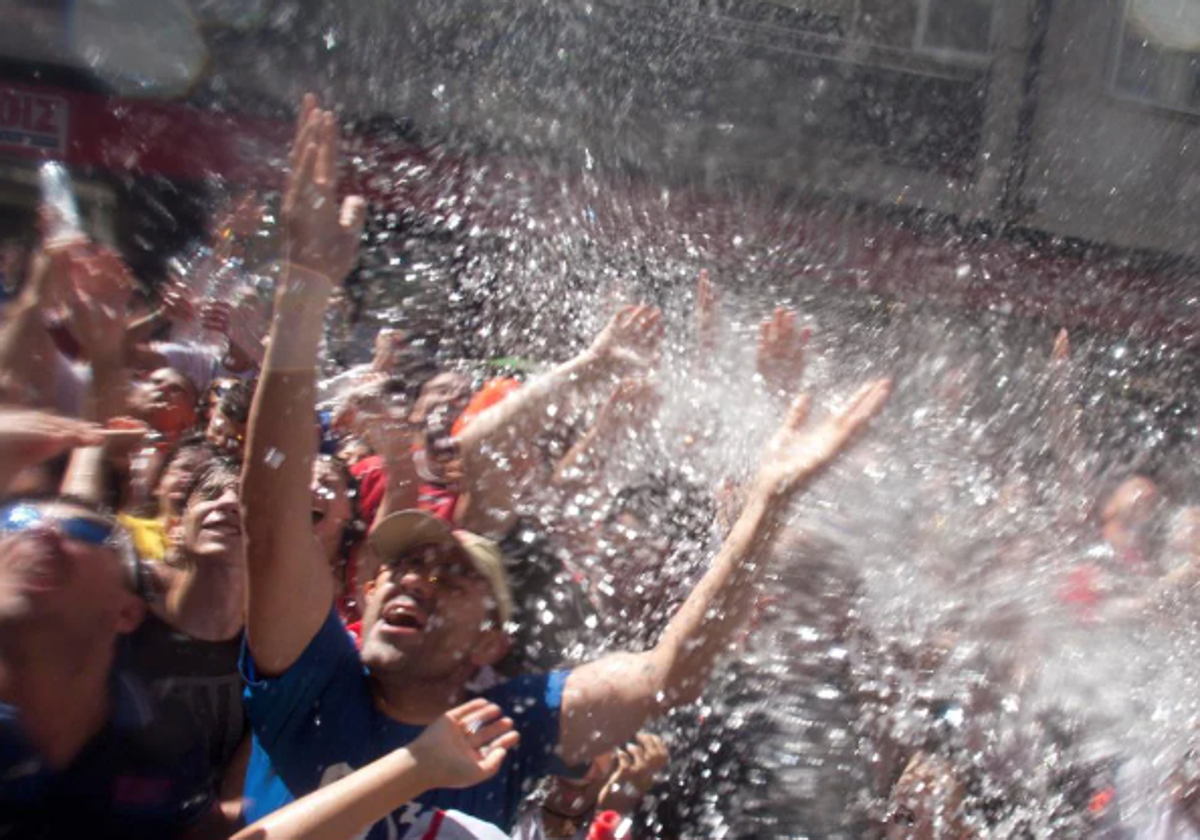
[
  {"x": 130, "y": 615},
  {"x": 492, "y": 646}
]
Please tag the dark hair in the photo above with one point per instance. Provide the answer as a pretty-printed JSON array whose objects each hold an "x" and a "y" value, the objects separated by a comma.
[
  {"x": 192, "y": 442},
  {"x": 221, "y": 470},
  {"x": 234, "y": 401},
  {"x": 356, "y": 527}
]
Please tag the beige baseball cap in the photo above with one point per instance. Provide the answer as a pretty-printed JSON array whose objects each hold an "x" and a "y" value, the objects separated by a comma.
[{"x": 412, "y": 528}]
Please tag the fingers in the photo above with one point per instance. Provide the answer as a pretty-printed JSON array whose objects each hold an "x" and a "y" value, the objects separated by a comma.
[
  {"x": 868, "y": 401},
  {"x": 324, "y": 175},
  {"x": 491, "y": 732},
  {"x": 1062, "y": 346},
  {"x": 301, "y": 177},
  {"x": 307, "y": 106},
  {"x": 497, "y": 752},
  {"x": 353, "y": 218},
  {"x": 798, "y": 413},
  {"x": 459, "y": 713}
]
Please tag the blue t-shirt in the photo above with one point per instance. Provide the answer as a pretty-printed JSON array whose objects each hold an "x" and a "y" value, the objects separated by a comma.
[
  {"x": 136, "y": 779},
  {"x": 317, "y": 723}
]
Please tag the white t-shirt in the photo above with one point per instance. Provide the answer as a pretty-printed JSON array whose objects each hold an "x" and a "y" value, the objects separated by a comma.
[{"x": 452, "y": 825}]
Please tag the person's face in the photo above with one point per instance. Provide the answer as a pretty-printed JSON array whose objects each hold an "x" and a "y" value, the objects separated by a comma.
[
  {"x": 389, "y": 346},
  {"x": 225, "y": 433},
  {"x": 60, "y": 571},
  {"x": 212, "y": 522},
  {"x": 167, "y": 401},
  {"x": 172, "y": 487},
  {"x": 576, "y": 797},
  {"x": 215, "y": 391},
  {"x": 443, "y": 398},
  {"x": 331, "y": 507},
  {"x": 431, "y": 615}
]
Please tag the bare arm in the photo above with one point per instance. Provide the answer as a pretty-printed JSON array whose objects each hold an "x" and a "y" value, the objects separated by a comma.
[
  {"x": 290, "y": 589},
  {"x": 615, "y": 695},
  {"x": 630, "y": 339},
  {"x": 29, "y": 361},
  {"x": 627, "y": 411},
  {"x": 445, "y": 755}
]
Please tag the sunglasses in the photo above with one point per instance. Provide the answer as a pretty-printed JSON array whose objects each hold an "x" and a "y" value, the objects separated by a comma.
[
  {"x": 83, "y": 529},
  {"x": 439, "y": 565},
  {"x": 95, "y": 530}
]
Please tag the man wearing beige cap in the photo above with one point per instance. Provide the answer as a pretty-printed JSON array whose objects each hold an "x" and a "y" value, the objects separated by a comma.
[{"x": 436, "y": 606}]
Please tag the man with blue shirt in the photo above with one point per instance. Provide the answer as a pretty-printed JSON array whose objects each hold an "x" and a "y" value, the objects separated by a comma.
[{"x": 435, "y": 607}]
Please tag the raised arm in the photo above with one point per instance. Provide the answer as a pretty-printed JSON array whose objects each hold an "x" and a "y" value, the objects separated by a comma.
[
  {"x": 29, "y": 361},
  {"x": 290, "y": 589},
  {"x": 607, "y": 701},
  {"x": 629, "y": 408},
  {"x": 629, "y": 341}
]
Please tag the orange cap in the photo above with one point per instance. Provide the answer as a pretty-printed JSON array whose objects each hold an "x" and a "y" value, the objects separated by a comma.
[{"x": 491, "y": 393}]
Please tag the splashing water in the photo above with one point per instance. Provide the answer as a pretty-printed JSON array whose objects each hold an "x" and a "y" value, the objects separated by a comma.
[
  {"x": 927, "y": 597},
  {"x": 922, "y": 602}
]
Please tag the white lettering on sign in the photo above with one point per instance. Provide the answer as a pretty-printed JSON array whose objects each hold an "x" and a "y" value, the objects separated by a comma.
[{"x": 32, "y": 121}]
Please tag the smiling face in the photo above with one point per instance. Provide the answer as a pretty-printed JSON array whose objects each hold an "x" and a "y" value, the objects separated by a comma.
[
  {"x": 431, "y": 616},
  {"x": 211, "y": 528},
  {"x": 59, "y": 574}
]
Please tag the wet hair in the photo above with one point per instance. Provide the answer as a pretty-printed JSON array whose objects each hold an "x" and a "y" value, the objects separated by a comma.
[
  {"x": 234, "y": 401},
  {"x": 192, "y": 442},
  {"x": 218, "y": 473}
]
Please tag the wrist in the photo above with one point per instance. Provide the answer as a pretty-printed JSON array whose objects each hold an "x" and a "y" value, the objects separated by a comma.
[
  {"x": 300, "y": 281},
  {"x": 421, "y": 759}
]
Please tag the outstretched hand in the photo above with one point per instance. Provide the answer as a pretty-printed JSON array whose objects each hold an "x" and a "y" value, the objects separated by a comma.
[
  {"x": 632, "y": 338},
  {"x": 318, "y": 237},
  {"x": 27, "y": 438},
  {"x": 465, "y": 746},
  {"x": 97, "y": 298},
  {"x": 638, "y": 765},
  {"x": 795, "y": 454},
  {"x": 632, "y": 403},
  {"x": 781, "y": 351}
]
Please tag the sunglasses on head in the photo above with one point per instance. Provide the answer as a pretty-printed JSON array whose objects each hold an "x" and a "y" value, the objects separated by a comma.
[
  {"x": 95, "y": 530},
  {"x": 89, "y": 530}
]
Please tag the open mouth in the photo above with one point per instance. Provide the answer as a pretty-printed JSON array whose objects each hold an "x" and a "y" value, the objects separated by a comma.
[
  {"x": 223, "y": 525},
  {"x": 317, "y": 516},
  {"x": 404, "y": 616}
]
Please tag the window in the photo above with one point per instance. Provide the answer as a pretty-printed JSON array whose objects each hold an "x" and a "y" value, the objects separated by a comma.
[
  {"x": 952, "y": 27},
  {"x": 1158, "y": 53},
  {"x": 952, "y": 30}
]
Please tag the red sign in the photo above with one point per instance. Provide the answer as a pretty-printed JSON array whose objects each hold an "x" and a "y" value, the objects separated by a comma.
[{"x": 32, "y": 123}]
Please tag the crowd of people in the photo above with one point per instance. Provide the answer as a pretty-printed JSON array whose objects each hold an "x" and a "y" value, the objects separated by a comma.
[{"x": 241, "y": 598}]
